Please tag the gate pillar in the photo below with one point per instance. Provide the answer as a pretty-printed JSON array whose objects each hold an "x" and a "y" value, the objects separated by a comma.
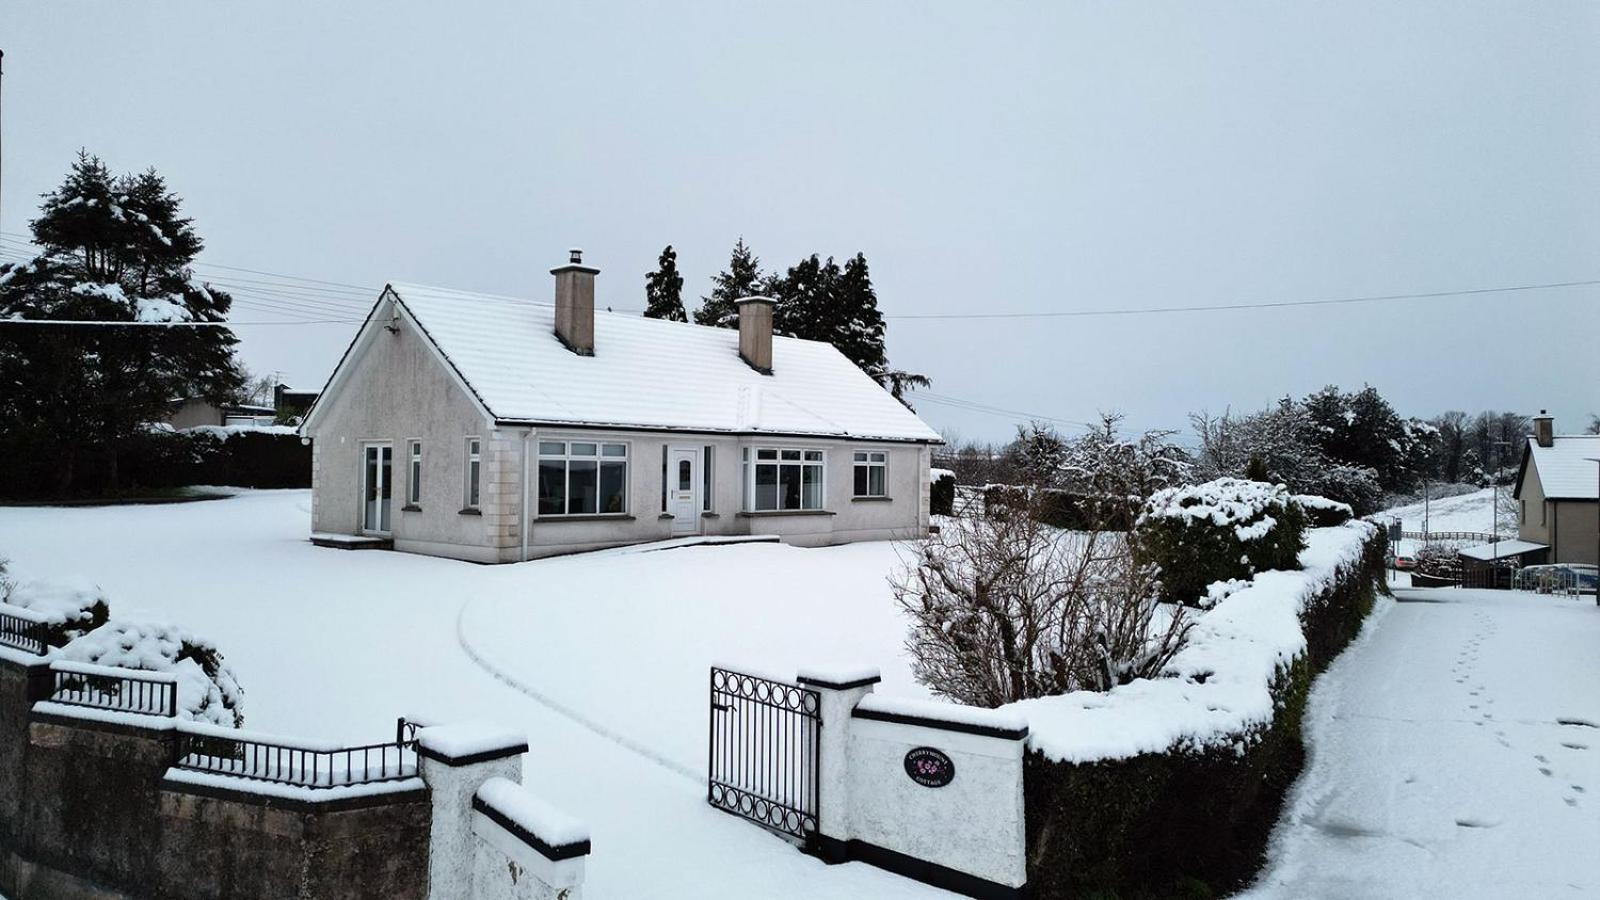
[{"x": 839, "y": 691}]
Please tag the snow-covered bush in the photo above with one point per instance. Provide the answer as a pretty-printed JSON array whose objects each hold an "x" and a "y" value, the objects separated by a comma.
[
  {"x": 1221, "y": 530},
  {"x": 1323, "y": 513},
  {"x": 1440, "y": 559},
  {"x": 68, "y": 609},
  {"x": 1005, "y": 608},
  {"x": 207, "y": 690}
]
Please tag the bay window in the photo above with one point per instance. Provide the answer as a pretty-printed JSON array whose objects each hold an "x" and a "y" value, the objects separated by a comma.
[
  {"x": 779, "y": 478},
  {"x": 582, "y": 478}
]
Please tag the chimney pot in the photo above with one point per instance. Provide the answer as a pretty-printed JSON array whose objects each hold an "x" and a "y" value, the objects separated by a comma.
[
  {"x": 575, "y": 304},
  {"x": 755, "y": 332}
]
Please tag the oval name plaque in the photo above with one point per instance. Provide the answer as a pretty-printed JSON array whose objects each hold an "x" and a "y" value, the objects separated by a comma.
[{"x": 929, "y": 767}]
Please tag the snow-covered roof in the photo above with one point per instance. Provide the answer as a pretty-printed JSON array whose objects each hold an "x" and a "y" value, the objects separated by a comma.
[
  {"x": 1566, "y": 468},
  {"x": 649, "y": 373},
  {"x": 1501, "y": 550}
]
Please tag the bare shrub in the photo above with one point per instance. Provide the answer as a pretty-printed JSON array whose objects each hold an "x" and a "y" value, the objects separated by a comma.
[{"x": 1005, "y": 608}]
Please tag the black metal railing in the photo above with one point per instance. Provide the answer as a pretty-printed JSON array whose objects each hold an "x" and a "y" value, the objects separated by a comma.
[
  {"x": 765, "y": 741},
  {"x": 263, "y": 759},
  {"x": 125, "y": 690},
  {"x": 24, "y": 634}
]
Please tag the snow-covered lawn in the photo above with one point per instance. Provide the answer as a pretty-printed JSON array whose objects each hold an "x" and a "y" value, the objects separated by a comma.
[
  {"x": 601, "y": 659},
  {"x": 1455, "y": 752}
]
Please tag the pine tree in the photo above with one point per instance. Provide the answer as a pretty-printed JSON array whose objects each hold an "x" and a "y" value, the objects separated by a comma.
[
  {"x": 663, "y": 289},
  {"x": 114, "y": 250},
  {"x": 742, "y": 278},
  {"x": 856, "y": 322}
]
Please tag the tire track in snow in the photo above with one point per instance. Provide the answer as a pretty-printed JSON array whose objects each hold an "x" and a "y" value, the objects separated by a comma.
[{"x": 560, "y": 708}]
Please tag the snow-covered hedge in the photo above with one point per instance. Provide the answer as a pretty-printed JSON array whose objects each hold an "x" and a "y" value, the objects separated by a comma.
[
  {"x": 1221, "y": 530},
  {"x": 207, "y": 689},
  {"x": 68, "y": 608},
  {"x": 1322, "y": 512},
  {"x": 1168, "y": 785}
]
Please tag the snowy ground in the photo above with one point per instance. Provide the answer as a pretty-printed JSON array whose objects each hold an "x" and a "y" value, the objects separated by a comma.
[
  {"x": 1465, "y": 512},
  {"x": 601, "y": 659},
  {"x": 1455, "y": 752}
]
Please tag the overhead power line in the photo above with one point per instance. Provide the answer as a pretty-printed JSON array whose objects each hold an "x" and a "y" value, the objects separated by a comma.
[{"x": 1272, "y": 304}]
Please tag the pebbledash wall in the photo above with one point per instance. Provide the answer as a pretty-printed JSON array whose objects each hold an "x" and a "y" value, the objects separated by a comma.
[{"x": 92, "y": 807}]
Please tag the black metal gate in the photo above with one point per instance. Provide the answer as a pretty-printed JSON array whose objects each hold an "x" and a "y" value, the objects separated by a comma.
[{"x": 766, "y": 737}]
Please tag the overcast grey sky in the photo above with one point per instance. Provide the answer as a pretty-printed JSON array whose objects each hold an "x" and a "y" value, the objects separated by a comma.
[{"x": 986, "y": 158}]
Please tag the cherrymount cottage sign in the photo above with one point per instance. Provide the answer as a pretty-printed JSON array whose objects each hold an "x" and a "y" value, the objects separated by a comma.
[{"x": 929, "y": 767}]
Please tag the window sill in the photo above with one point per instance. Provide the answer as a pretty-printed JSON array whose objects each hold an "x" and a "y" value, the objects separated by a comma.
[
  {"x": 666, "y": 516},
  {"x": 871, "y": 499},
  {"x": 411, "y": 507},
  {"x": 709, "y": 515},
  {"x": 602, "y": 517},
  {"x": 767, "y": 513},
  {"x": 471, "y": 511}
]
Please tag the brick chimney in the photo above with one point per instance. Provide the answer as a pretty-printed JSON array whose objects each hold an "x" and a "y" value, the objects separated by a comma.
[
  {"x": 755, "y": 332},
  {"x": 1544, "y": 429},
  {"x": 575, "y": 304}
]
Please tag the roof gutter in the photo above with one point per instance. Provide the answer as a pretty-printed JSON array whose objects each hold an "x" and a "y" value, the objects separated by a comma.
[{"x": 723, "y": 432}]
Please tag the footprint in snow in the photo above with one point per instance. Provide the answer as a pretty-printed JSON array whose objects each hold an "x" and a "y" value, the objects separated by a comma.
[
  {"x": 1579, "y": 788},
  {"x": 1574, "y": 745},
  {"x": 1541, "y": 757},
  {"x": 1473, "y": 822},
  {"x": 1545, "y": 771},
  {"x": 1578, "y": 723}
]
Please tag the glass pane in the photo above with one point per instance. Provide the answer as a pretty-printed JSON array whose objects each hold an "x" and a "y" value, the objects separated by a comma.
[
  {"x": 861, "y": 457},
  {"x": 614, "y": 449},
  {"x": 875, "y": 486},
  {"x": 879, "y": 457},
  {"x": 472, "y": 483},
  {"x": 685, "y": 475},
  {"x": 814, "y": 456},
  {"x": 789, "y": 487},
  {"x": 766, "y": 487},
  {"x": 583, "y": 488},
  {"x": 766, "y": 454},
  {"x": 663, "y": 479},
  {"x": 791, "y": 454},
  {"x": 473, "y": 447},
  {"x": 705, "y": 479},
  {"x": 812, "y": 498},
  {"x": 416, "y": 481},
  {"x": 861, "y": 480},
  {"x": 552, "y": 448},
  {"x": 613, "y": 487},
  {"x": 552, "y": 487},
  {"x": 416, "y": 450},
  {"x": 583, "y": 449}
]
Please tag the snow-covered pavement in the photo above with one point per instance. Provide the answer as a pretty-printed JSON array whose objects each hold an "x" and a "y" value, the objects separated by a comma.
[
  {"x": 1455, "y": 752},
  {"x": 335, "y": 644}
]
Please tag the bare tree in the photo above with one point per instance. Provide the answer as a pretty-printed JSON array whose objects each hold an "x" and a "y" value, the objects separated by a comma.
[{"x": 1005, "y": 608}]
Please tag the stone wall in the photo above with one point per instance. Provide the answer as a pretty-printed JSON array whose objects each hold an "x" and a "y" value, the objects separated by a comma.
[{"x": 90, "y": 809}]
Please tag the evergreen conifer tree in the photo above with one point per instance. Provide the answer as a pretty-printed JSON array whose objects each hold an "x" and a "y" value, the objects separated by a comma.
[
  {"x": 113, "y": 250},
  {"x": 663, "y": 289},
  {"x": 742, "y": 278}
]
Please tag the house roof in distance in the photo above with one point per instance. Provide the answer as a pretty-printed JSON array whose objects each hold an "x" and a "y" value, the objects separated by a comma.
[
  {"x": 1567, "y": 470},
  {"x": 649, "y": 373}
]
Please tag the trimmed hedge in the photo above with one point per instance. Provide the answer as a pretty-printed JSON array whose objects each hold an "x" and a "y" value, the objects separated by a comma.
[
  {"x": 252, "y": 459},
  {"x": 1187, "y": 823},
  {"x": 942, "y": 496},
  {"x": 1193, "y": 534}
]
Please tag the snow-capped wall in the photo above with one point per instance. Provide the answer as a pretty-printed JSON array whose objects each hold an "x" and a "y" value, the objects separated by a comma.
[{"x": 928, "y": 790}]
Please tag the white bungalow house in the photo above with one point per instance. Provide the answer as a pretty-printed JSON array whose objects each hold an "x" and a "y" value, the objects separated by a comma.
[{"x": 495, "y": 429}]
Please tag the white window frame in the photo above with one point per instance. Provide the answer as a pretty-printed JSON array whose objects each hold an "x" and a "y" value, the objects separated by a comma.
[
  {"x": 752, "y": 461},
  {"x": 882, "y": 464},
  {"x": 599, "y": 458},
  {"x": 472, "y": 473},
  {"x": 414, "y": 473}
]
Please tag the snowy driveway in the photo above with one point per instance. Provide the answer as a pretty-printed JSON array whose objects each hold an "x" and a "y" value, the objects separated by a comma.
[
  {"x": 1454, "y": 753},
  {"x": 334, "y": 644}
]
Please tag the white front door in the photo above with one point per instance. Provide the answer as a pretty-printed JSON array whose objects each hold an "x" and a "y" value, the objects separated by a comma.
[
  {"x": 683, "y": 489},
  {"x": 377, "y": 463}
]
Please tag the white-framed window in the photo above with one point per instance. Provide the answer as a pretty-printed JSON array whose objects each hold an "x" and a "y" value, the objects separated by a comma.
[
  {"x": 414, "y": 473},
  {"x": 583, "y": 478},
  {"x": 871, "y": 473},
  {"x": 783, "y": 478},
  {"x": 474, "y": 473}
]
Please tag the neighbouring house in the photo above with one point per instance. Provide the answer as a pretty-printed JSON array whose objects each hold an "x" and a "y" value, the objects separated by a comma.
[
  {"x": 188, "y": 412},
  {"x": 1558, "y": 493},
  {"x": 291, "y": 404},
  {"x": 496, "y": 429}
]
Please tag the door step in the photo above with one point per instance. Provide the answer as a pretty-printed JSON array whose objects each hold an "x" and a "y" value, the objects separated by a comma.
[{"x": 352, "y": 541}]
